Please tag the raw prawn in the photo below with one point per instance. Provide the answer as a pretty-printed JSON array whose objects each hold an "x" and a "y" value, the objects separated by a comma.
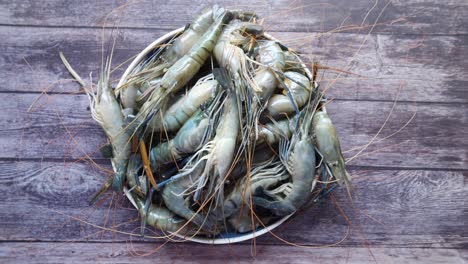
[
  {"x": 329, "y": 146},
  {"x": 183, "y": 69},
  {"x": 272, "y": 60},
  {"x": 179, "y": 112},
  {"x": 187, "y": 140},
  {"x": 296, "y": 94},
  {"x": 298, "y": 155},
  {"x": 161, "y": 218},
  {"x": 145, "y": 74},
  {"x": 107, "y": 112}
]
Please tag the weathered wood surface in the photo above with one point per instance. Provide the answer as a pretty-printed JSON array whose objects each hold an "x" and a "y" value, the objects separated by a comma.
[
  {"x": 428, "y": 17},
  {"x": 385, "y": 206},
  {"x": 409, "y": 195},
  {"x": 423, "y": 68},
  {"x": 60, "y": 127},
  {"x": 188, "y": 253}
]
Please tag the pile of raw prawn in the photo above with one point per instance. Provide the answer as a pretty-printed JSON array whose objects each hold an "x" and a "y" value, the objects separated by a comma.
[{"x": 221, "y": 130}]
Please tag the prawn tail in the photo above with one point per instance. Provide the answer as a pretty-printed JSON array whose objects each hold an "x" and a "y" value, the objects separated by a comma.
[
  {"x": 118, "y": 181},
  {"x": 144, "y": 213},
  {"x": 347, "y": 182},
  {"x": 342, "y": 176}
]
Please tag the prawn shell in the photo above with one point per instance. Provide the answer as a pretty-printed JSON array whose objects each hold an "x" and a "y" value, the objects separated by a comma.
[
  {"x": 203, "y": 240},
  {"x": 329, "y": 145}
]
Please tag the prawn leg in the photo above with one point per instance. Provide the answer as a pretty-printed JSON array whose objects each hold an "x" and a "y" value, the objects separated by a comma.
[
  {"x": 293, "y": 62},
  {"x": 221, "y": 155},
  {"x": 302, "y": 164},
  {"x": 266, "y": 175}
]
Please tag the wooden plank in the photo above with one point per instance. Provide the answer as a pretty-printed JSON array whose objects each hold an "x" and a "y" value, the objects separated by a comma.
[
  {"x": 419, "y": 68},
  {"x": 409, "y": 191},
  {"x": 387, "y": 209},
  {"x": 399, "y": 208},
  {"x": 63, "y": 127},
  {"x": 60, "y": 127},
  {"x": 429, "y": 17},
  {"x": 189, "y": 253},
  {"x": 33, "y": 55},
  {"x": 384, "y": 63}
]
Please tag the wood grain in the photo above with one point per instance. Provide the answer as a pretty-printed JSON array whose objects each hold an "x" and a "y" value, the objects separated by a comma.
[
  {"x": 428, "y": 17},
  {"x": 409, "y": 191},
  {"x": 60, "y": 127},
  {"x": 417, "y": 68},
  {"x": 187, "y": 253},
  {"x": 385, "y": 204},
  {"x": 422, "y": 68}
]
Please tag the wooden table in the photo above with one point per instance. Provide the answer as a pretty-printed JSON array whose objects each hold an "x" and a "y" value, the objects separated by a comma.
[{"x": 409, "y": 69}]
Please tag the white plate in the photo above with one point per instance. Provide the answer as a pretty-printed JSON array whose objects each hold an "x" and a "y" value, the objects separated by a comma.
[{"x": 222, "y": 238}]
